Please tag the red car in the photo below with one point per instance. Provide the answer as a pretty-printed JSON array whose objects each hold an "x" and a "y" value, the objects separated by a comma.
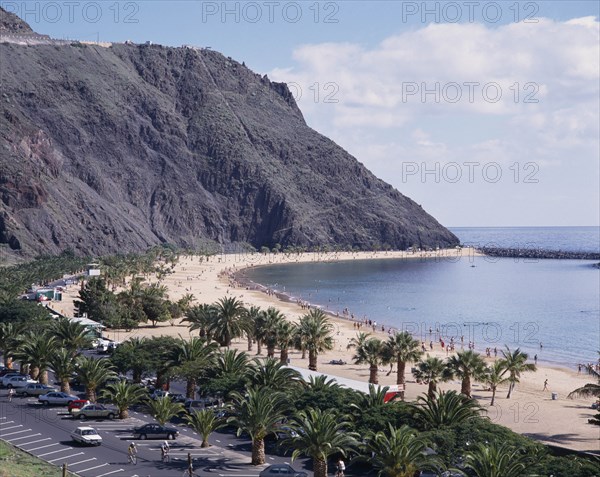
[{"x": 78, "y": 404}]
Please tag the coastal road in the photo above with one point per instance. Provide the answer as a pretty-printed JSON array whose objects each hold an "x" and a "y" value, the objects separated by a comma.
[{"x": 45, "y": 432}]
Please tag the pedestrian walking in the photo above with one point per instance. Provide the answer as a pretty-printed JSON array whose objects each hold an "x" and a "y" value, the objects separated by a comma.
[
  {"x": 11, "y": 393},
  {"x": 545, "y": 385}
]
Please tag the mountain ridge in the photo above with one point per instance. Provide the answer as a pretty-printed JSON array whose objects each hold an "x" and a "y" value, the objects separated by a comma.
[{"x": 116, "y": 149}]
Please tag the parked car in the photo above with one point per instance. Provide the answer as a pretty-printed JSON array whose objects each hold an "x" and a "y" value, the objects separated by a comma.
[
  {"x": 57, "y": 399},
  {"x": 19, "y": 382},
  {"x": 96, "y": 411},
  {"x": 159, "y": 394},
  {"x": 86, "y": 435},
  {"x": 154, "y": 431},
  {"x": 77, "y": 403},
  {"x": 35, "y": 390},
  {"x": 9, "y": 375},
  {"x": 178, "y": 398},
  {"x": 277, "y": 470}
]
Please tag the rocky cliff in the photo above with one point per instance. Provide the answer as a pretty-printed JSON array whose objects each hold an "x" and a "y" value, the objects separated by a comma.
[{"x": 120, "y": 148}]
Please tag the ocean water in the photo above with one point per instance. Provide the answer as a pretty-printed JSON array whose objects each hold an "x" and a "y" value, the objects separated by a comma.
[
  {"x": 546, "y": 307},
  {"x": 572, "y": 239}
]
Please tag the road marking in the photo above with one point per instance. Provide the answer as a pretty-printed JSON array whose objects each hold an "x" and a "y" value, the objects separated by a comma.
[
  {"x": 42, "y": 447},
  {"x": 55, "y": 452},
  {"x": 2, "y": 418},
  {"x": 111, "y": 472},
  {"x": 7, "y": 422},
  {"x": 25, "y": 437},
  {"x": 91, "y": 468},
  {"x": 16, "y": 432},
  {"x": 35, "y": 442},
  {"x": 82, "y": 462},
  {"x": 11, "y": 427},
  {"x": 65, "y": 458}
]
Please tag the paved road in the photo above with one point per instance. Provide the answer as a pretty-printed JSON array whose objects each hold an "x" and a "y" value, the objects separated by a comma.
[{"x": 45, "y": 433}]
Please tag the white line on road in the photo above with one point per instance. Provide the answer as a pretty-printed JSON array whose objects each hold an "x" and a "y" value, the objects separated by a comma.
[
  {"x": 91, "y": 468},
  {"x": 16, "y": 432},
  {"x": 2, "y": 418},
  {"x": 82, "y": 462},
  {"x": 65, "y": 458},
  {"x": 24, "y": 437},
  {"x": 11, "y": 427},
  {"x": 55, "y": 452},
  {"x": 7, "y": 422},
  {"x": 111, "y": 472},
  {"x": 35, "y": 442},
  {"x": 42, "y": 447}
]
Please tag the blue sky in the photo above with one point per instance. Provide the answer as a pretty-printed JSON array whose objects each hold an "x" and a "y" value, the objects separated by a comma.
[{"x": 372, "y": 62}]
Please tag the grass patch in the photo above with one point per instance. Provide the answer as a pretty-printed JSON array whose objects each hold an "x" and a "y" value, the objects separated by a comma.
[{"x": 16, "y": 463}]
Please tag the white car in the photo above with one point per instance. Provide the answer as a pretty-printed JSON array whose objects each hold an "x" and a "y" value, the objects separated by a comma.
[
  {"x": 86, "y": 435},
  {"x": 35, "y": 390},
  {"x": 57, "y": 399},
  {"x": 19, "y": 382},
  {"x": 6, "y": 377}
]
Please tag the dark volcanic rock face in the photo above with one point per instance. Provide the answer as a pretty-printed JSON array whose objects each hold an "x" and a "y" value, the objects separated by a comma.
[
  {"x": 11, "y": 23},
  {"x": 117, "y": 149}
]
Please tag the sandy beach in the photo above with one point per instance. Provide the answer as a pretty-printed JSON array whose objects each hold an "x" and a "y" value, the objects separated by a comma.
[{"x": 530, "y": 411}]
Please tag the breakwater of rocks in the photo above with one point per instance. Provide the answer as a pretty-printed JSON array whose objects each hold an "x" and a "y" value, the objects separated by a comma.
[{"x": 538, "y": 253}]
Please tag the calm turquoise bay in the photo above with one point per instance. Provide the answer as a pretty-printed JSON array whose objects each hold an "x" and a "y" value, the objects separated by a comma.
[{"x": 546, "y": 307}]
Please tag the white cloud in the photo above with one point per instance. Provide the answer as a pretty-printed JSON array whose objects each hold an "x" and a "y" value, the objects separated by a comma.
[{"x": 548, "y": 74}]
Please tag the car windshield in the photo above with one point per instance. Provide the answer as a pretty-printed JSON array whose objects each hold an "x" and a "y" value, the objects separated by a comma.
[{"x": 89, "y": 432}]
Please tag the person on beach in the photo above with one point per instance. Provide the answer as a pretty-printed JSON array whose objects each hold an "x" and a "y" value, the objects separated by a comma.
[
  {"x": 535, "y": 359},
  {"x": 545, "y": 385}
]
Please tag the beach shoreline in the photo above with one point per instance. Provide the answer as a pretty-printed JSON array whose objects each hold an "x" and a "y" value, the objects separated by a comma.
[{"x": 531, "y": 411}]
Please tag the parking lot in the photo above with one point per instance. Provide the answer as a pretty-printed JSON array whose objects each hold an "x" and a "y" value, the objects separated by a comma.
[{"x": 45, "y": 433}]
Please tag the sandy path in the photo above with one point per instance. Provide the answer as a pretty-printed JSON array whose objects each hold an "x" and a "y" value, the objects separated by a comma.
[{"x": 530, "y": 411}]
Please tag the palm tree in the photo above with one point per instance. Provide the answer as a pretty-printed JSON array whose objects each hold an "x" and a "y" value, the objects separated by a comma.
[
  {"x": 515, "y": 363},
  {"x": 227, "y": 322},
  {"x": 62, "y": 363},
  {"x": 368, "y": 351},
  {"x": 231, "y": 361},
  {"x": 468, "y": 366},
  {"x": 432, "y": 371},
  {"x": 399, "y": 452},
  {"x": 321, "y": 383},
  {"x": 590, "y": 389},
  {"x": 286, "y": 336},
  {"x": 316, "y": 331},
  {"x": 258, "y": 413},
  {"x": 494, "y": 377},
  {"x": 163, "y": 409},
  {"x": 404, "y": 349},
  {"x": 92, "y": 373},
  {"x": 190, "y": 358},
  {"x": 498, "y": 460},
  {"x": 204, "y": 423},
  {"x": 250, "y": 324},
  {"x": 201, "y": 318},
  {"x": 124, "y": 395},
  {"x": 10, "y": 341},
  {"x": 449, "y": 408},
  {"x": 273, "y": 374},
  {"x": 71, "y": 335},
  {"x": 37, "y": 350},
  {"x": 272, "y": 321},
  {"x": 133, "y": 355},
  {"x": 320, "y": 434}
]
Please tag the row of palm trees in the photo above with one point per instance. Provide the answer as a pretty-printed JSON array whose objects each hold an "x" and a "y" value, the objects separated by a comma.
[
  {"x": 228, "y": 319},
  {"x": 468, "y": 366}
]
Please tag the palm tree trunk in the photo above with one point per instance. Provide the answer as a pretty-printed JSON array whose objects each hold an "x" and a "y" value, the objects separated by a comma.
[
  {"x": 303, "y": 353},
  {"x": 258, "y": 347},
  {"x": 65, "y": 386},
  {"x": 320, "y": 467},
  {"x": 123, "y": 413},
  {"x": 90, "y": 394},
  {"x": 312, "y": 360},
  {"x": 493, "y": 395},
  {"x": 373, "y": 378},
  {"x": 258, "y": 451},
  {"x": 401, "y": 370},
  {"x": 249, "y": 342},
  {"x": 204, "y": 442},
  {"x": 137, "y": 376},
  {"x": 432, "y": 389},
  {"x": 34, "y": 372},
  {"x": 190, "y": 390},
  {"x": 270, "y": 351},
  {"x": 510, "y": 389},
  {"x": 465, "y": 387},
  {"x": 43, "y": 377},
  {"x": 283, "y": 357},
  {"x": 8, "y": 362}
]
